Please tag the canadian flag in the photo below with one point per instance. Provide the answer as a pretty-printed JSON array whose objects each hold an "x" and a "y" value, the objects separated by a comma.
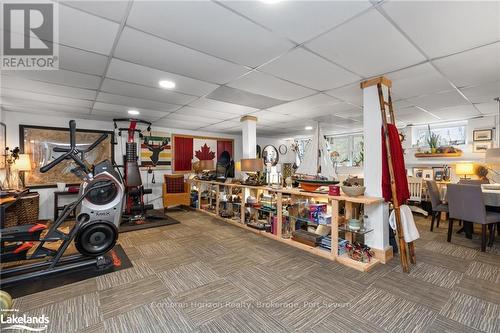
[{"x": 204, "y": 149}]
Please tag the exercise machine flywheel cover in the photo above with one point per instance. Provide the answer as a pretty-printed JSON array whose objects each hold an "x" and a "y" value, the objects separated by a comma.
[{"x": 96, "y": 238}]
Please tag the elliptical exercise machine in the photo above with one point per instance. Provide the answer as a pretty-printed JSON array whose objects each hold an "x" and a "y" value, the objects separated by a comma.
[{"x": 95, "y": 231}]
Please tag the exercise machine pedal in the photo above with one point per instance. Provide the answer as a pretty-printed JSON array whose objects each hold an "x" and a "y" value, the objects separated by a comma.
[
  {"x": 15, "y": 252},
  {"x": 21, "y": 233}
]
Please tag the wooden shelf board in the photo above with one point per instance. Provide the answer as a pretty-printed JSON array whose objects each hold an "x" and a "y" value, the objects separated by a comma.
[
  {"x": 358, "y": 265},
  {"x": 423, "y": 155}
]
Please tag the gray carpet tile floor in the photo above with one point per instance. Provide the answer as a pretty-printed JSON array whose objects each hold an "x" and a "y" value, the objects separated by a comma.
[{"x": 203, "y": 275}]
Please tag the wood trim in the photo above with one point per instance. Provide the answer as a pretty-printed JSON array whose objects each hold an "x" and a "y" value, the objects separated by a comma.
[
  {"x": 382, "y": 79},
  {"x": 244, "y": 118},
  {"x": 384, "y": 256}
]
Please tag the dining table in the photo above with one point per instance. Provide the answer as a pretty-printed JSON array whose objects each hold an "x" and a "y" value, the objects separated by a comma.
[{"x": 491, "y": 193}]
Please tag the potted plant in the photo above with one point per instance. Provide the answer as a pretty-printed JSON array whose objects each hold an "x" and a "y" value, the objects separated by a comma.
[{"x": 432, "y": 140}]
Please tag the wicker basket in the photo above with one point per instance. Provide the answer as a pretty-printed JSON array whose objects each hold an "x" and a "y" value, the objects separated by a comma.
[{"x": 27, "y": 208}]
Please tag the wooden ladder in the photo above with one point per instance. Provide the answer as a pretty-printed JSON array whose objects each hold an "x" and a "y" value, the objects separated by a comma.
[{"x": 386, "y": 105}]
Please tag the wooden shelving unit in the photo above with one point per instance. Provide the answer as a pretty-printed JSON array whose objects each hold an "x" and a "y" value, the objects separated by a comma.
[{"x": 333, "y": 201}]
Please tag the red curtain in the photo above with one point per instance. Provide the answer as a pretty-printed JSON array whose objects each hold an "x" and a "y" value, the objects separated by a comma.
[
  {"x": 224, "y": 145},
  {"x": 183, "y": 153}
]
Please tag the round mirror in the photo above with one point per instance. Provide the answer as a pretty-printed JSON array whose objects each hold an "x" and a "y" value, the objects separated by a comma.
[{"x": 270, "y": 155}]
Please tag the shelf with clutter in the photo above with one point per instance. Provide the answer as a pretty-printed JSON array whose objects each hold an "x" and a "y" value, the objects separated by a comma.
[{"x": 330, "y": 226}]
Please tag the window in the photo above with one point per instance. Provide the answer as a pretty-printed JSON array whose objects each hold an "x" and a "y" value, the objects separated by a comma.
[
  {"x": 448, "y": 135},
  {"x": 350, "y": 149},
  {"x": 301, "y": 145}
]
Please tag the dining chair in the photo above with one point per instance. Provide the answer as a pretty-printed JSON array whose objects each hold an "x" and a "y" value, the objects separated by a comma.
[
  {"x": 415, "y": 186},
  {"x": 437, "y": 205},
  {"x": 466, "y": 203}
]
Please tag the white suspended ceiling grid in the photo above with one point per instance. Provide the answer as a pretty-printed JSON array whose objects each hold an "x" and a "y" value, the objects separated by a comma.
[{"x": 289, "y": 64}]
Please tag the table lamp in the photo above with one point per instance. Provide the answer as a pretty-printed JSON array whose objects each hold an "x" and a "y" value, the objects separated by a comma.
[
  {"x": 252, "y": 167},
  {"x": 22, "y": 164},
  {"x": 464, "y": 169},
  {"x": 206, "y": 166}
]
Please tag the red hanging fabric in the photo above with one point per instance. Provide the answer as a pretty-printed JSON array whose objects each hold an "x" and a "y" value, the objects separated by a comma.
[
  {"x": 183, "y": 153},
  {"x": 224, "y": 145},
  {"x": 398, "y": 163}
]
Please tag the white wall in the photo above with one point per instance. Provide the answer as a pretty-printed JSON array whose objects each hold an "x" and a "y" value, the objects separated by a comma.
[
  {"x": 14, "y": 119},
  {"x": 289, "y": 157},
  {"x": 468, "y": 154}
]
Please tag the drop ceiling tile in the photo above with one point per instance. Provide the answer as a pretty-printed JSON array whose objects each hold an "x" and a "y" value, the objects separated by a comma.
[
  {"x": 483, "y": 93},
  {"x": 46, "y": 110},
  {"x": 229, "y": 108},
  {"x": 351, "y": 93},
  {"x": 208, "y": 27},
  {"x": 133, "y": 73},
  {"x": 225, "y": 126},
  {"x": 331, "y": 120},
  {"x": 265, "y": 117},
  {"x": 61, "y": 76},
  {"x": 438, "y": 100},
  {"x": 120, "y": 109},
  {"x": 481, "y": 65},
  {"x": 180, "y": 60},
  {"x": 488, "y": 108},
  {"x": 305, "y": 105},
  {"x": 82, "y": 61},
  {"x": 241, "y": 97},
  {"x": 457, "y": 112},
  {"x": 85, "y": 31},
  {"x": 138, "y": 91},
  {"x": 108, "y": 115},
  {"x": 347, "y": 111},
  {"x": 207, "y": 114},
  {"x": 418, "y": 80},
  {"x": 368, "y": 45},
  {"x": 194, "y": 119},
  {"x": 36, "y": 97},
  {"x": 299, "y": 20},
  {"x": 310, "y": 70},
  {"x": 113, "y": 10},
  {"x": 445, "y": 27},
  {"x": 176, "y": 124},
  {"x": 415, "y": 118},
  {"x": 267, "y": 85},
  {"x": 39, "y": 107},
  {"x": 19, "y": 83},
  {"x": 130, "y": 102}
]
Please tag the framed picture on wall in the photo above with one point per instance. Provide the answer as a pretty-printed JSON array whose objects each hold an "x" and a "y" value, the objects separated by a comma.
[
  {"x": 428, "y": 174},
  {"x": 39, "y": 142},
  {"x": 3, "y": 145},
  {"x": 438, "y": 174},
  {"x": 417, "y": 172},
  {"x": 482, "y": 135},
  {"x": 481, "y": 147}
]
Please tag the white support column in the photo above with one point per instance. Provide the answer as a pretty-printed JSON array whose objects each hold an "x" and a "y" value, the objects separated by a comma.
[
  {"x": 249, "y": 136},
  {"x": 378, "y": 215}
]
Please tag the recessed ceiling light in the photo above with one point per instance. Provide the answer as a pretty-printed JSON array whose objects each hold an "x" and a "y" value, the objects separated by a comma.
[
  {"x": 167, "y": 84},
  {"x": 133, "y": 112},
  {"x": 308, "y": 128}
]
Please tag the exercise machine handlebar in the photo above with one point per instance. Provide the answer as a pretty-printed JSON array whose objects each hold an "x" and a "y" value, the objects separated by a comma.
[{"x": 72, "y": 152}]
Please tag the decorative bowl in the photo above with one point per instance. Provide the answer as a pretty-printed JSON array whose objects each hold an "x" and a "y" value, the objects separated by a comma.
[
  {"x": 353, "y": 191},
  {"x": 354, "y": 224}
]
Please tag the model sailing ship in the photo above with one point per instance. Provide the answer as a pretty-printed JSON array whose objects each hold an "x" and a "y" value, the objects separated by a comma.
[{"x": 316, "y": 168}]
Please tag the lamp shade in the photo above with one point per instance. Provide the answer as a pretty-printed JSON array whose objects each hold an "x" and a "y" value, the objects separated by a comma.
[
  {"x": 251, "y": 164},
  {"x": 492, "y": 156},
  {"x": 23, "y": 163},
  {"x": 206, "y": 165},
  {"x": 464, "y": 169}
]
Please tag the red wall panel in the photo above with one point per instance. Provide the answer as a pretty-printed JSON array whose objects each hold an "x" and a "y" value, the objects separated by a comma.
[{"x": 183, "y": 153}]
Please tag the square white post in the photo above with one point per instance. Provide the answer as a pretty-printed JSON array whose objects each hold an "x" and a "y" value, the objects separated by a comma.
[{"x": 378, "y": 214}]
